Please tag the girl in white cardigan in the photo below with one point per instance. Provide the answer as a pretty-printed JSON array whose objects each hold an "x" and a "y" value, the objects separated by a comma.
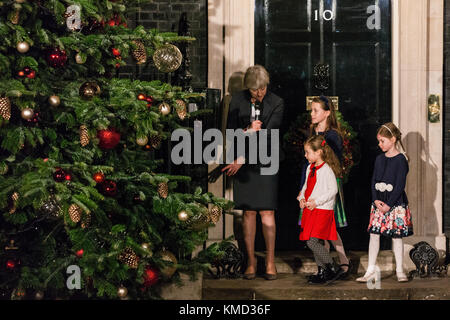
[{"x": 317, "y": 199}]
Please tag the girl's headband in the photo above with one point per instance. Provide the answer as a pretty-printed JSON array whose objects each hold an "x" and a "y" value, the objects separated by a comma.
[
  {"x": 388, "y": 129},
  {"x": 325, "y": 99}
]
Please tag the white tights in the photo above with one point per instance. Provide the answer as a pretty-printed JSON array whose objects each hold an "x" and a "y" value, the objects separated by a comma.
[{"x": 374, "y": 248}]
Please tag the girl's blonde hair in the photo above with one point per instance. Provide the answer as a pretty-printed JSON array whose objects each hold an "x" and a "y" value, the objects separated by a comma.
[
  {"x": 332, "y": 122},
  {"x": 318, "y": 142},
  {"x": 389, "y": 130}
]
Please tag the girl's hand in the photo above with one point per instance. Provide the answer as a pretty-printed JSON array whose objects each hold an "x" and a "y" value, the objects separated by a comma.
[
  {"x": 232, "y": 168},
  {"x": 311, "y": 204},
  {"x": 379, "y": 204},
  {"x": 385, "y": 208},
  {"x": 302, "y": 203}
]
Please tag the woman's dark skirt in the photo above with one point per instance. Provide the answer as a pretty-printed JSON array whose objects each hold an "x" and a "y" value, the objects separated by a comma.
[{"x": 253, "y": 191}]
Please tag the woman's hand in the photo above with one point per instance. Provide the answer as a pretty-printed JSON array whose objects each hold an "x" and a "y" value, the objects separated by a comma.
[
  {"x": 255, "y": 125},
  {"x": 302, "y": 203},
  {"x": 311, "y": 204},
  {"x": 232, "y": 168},
  {"x": 378, "y": 204}
]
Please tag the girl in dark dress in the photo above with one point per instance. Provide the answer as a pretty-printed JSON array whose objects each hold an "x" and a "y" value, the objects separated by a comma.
[
  {"x": 252, "y": 191},
  {"x": 390, "y": 215},
  {"x": 324, "y": 122}
]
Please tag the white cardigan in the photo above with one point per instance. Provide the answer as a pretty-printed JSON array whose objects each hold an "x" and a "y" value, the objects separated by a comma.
[{"x": 325, "y": 190}]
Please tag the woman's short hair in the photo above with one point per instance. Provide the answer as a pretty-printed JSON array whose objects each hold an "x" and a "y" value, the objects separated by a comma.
[{"x": 256, "y": 77}]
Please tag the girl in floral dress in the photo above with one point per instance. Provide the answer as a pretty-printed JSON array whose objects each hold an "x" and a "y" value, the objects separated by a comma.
[{"x": 390, "y": 215}]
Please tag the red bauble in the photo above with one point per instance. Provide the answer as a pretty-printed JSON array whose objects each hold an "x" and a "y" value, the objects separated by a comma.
[
  {"x": 56, "y": 58},
  {"x": 150, "y": 276},
  {"x": 10, "y": 264},
  {"x": 68, "y": 177},
  {"x": 31, "y": 75},
  {"x": 109, "y": 187},
  {"x": 59, "y": 175},
  {"x": 79, "y": 253},
  {"x": 98, "y": 177},
  {"x": 108, "y": 138},
  {"x": 115, "y": 52},
  {"x": 141, "y": 96}
]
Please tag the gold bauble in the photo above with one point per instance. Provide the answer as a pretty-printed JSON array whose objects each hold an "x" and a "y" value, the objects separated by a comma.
[
  {"x": 183, "y": 216},
  {"x": 122, "y": 292},
  {"x": 168, "y": 256},
  {"x": 39, "y": 295},
  {"x": 79, "y": 59},
  {"x": 54, "y": 101},
  {"x": 142, "y": 141},
  {"x": 27, "y": 113},
  {"x": 164, "y": 108},
  {"x": 167, "y": 58},
  {"x": 89, "y": 89},
  {"x": 23, "y": 47},
  {"x": 145, "y": 246}
]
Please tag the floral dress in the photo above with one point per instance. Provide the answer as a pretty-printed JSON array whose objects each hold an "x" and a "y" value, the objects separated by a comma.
[{"x": 388, "y": 186}]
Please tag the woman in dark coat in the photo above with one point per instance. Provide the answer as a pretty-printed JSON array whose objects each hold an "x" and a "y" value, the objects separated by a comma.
[{"x": 252, "y": 110}]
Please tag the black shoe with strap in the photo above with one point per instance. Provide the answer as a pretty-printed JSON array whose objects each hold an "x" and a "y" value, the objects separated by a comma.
[
  {"x": 332, "y": 273},
  {"x": 319, "y": 270},
  {"x": 318, "y": 278}
]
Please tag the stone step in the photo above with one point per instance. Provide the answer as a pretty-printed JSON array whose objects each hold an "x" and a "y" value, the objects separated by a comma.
[
  {"x": 295, "y": 287},
  {"x": 303, "y": 261}
]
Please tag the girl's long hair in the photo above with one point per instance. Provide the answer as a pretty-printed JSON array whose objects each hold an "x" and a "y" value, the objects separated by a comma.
[
  {"x": 317, "y": 142},
  {"x": 332, "y": 122},
  {"x": 389, "y": 130}
]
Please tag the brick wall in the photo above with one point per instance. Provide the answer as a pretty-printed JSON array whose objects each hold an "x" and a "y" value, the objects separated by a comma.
[
  {"x": 446, "y": 119},
  {"x": 164, "y": 15}
]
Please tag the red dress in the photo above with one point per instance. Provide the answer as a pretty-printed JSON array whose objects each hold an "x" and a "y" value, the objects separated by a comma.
[{"x": 316, "y": 223}]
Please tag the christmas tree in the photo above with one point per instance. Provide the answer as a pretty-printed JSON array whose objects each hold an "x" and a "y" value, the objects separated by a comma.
[{"x": 81, "y": 184}]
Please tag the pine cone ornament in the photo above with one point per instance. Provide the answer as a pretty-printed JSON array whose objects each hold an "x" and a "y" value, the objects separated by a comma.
[
  {"x": 155, "y": 141},
  {"x": 5, "y": 108},
  {"x": 181, "y": 108},
  {"x": 129, "y": 257},
  {"x": 75, "y": 213},
  {"x": 86, "y": 220},
  {"x": 139, "y": 54},
  {"x": 15, "y": 17},
  {"x": 84, "y": 135},
  {"x": 199, "y": 221},
  {"x": 214, "y": 214},
  {"x": 163, "y": 190},
  {"x": 14, "y": 199}
]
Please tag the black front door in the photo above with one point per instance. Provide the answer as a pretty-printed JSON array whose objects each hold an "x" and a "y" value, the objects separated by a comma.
[{"x": 352, "y": 40}]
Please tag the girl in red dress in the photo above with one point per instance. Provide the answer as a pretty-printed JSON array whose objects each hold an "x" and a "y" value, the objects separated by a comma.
[{"x": 317, "y": 199}]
